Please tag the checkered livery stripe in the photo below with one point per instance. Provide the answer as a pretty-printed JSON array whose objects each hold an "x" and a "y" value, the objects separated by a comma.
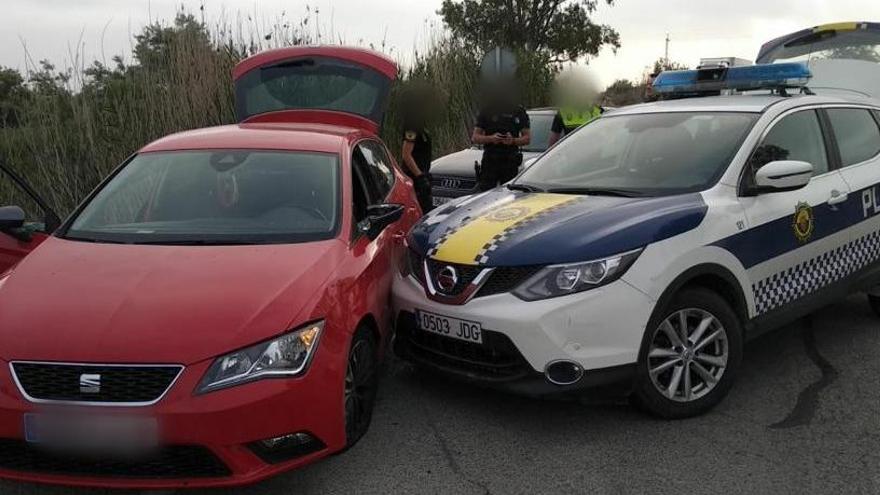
[
  {"x": 807, "y": 277},
  {"x": 484, "y": 255}
]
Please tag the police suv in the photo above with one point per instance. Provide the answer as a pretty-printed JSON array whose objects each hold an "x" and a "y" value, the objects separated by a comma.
[{"x": 648, "y": 245}]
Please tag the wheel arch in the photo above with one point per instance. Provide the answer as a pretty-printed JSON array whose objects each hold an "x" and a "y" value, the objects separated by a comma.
[{"x": 714, "y": 277}]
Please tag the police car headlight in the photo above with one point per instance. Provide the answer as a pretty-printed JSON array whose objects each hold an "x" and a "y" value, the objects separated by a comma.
[
  {"x": 560, "y": 280},
  {"x": 287, "y": 355}
]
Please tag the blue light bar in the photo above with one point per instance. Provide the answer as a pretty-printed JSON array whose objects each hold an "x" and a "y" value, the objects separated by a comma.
[{"x": 763, "y": 76}]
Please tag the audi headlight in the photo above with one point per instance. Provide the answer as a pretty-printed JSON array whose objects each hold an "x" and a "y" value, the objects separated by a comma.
[
  {"x": 560, "y": 280},
  {"x": 287, "y": 355}
]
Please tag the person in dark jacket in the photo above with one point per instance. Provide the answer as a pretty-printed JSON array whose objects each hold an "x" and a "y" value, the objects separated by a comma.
[
  {"x": 502, "y": 128},
  {"x": 416, "y": 150}
]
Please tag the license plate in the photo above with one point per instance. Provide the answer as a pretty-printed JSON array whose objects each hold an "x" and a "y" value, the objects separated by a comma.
[
  {"x": 85, "y": 433},
  {"x": 439, "y": 200},
  {"x": 469, "y": 331}
]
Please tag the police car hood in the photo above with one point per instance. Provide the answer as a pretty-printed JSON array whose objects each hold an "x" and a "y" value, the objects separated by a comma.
[
  {"x": 511, "y": 228},
  {"x": 461, "y": 163}
]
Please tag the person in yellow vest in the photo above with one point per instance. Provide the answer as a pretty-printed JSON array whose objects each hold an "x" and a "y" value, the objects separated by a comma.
[{"x": 576, "y": 93}]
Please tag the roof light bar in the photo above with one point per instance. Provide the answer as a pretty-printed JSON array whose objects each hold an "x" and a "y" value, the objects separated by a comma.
[{"x": 764, "y": 76}]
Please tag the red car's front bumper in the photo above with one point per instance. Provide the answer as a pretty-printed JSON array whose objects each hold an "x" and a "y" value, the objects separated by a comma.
[{"x": 207, "y": 440}]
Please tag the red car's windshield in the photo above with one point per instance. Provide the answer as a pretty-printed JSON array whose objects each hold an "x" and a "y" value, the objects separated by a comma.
[{"x": 215, "y": 197}]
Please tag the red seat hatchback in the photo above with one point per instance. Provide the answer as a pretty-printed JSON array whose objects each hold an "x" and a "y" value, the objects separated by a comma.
[{"x": 214, "y": 312}]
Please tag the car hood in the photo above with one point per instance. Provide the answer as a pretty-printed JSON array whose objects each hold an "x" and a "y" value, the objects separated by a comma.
[
  {"x": 461, "y": 163},
  {"x": 507, "y": 228},
  {"x": 113, "y": 303}
]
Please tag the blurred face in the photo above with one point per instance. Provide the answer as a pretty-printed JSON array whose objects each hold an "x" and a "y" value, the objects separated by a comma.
[{"x": 577, "y": 89}]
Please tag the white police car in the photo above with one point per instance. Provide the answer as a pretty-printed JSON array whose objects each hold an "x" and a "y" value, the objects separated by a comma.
[{"x": 651, "y": 243}]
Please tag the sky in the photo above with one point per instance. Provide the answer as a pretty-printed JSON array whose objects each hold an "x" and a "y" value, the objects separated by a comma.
[{"x": 68, "y": 32}]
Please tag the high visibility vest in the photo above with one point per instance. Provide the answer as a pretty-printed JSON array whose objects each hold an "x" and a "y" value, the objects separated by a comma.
[{"x": 572, "y": 118}]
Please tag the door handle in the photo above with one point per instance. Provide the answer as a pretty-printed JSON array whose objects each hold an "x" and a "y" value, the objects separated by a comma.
[
  {"x": 399, "y": 235},
  {"x": 837, "y": 197}
]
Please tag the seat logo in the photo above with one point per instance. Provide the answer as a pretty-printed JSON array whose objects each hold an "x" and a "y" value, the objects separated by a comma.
[
  {"x": 803, "y": 222},
  {"x": 90, "y": 383},
  {"x": 447, "y": 279}
]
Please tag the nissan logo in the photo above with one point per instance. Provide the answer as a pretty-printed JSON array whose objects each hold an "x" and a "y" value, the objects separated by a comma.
[
  {"x": 451, "y": 183},
  {"x": 447, "y": 279}
]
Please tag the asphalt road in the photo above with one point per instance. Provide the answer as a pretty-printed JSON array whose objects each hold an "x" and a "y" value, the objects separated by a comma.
[{"x": 804, "y": 417}]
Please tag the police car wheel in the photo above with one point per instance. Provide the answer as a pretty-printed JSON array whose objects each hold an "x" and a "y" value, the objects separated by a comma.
[
  {"x": 690, "y": 355},
  {"x": 361, "y": 385},
  {"x": 874, "y": 301}
]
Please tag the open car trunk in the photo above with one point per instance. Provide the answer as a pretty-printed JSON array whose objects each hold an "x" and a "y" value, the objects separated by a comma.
[
  {"x": 842, "y": 57},
  {"x": 325, "y": 84}
]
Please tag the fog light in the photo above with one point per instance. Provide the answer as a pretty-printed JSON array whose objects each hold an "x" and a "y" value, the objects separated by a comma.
[{"x": 286, "y": 447}]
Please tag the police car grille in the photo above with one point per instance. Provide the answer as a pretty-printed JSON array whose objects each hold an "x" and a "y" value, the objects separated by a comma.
[
  {"x": 118, "y": 384},
  {"x": 466, "y": 274},
  {"x": 185, "y": 461},
  {"x": 505, "y": 279}
]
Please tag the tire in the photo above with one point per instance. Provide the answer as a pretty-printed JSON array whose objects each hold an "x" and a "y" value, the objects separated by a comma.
[
  {"x": 874, "y": 301},
  {"x": 708, "y": 361},
  {"x": 361, "y": 385}
]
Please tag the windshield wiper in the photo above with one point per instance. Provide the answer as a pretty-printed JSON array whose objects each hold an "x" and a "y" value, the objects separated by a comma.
[
  {"x": 598, "y": 191},
  {"x": 199, "y": 242},
  {"x": 524, "y": 187}
]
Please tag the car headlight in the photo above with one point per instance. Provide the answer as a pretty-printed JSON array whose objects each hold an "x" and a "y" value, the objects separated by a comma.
[
  {"x": 287, "y": 355},
  {"x": 560, "y": 280}
]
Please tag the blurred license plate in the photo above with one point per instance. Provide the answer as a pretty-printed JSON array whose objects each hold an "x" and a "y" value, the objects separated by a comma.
[
  {"x": 469, "y": 331},
  {"x": 92, "y": 433},
  {"x": 439, "y": 200}
]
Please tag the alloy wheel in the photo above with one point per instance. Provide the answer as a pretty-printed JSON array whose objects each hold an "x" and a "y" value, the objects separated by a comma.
[{"x": 688, "y": 355}]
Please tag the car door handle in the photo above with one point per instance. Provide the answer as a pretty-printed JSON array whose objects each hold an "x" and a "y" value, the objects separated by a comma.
[{"x": 837, "y": 197}]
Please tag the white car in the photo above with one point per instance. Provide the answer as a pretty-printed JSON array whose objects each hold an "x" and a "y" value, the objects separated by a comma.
[{"x": 650, "y": 244}]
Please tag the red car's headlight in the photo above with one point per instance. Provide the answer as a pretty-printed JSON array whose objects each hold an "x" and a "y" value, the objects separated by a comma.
[{"x": 288, "y": 355}]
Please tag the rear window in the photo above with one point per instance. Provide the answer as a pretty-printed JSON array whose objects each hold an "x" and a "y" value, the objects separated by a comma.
[
  {"x": 215, "y": 197},
  {"x": 313, "y": 83},
  {"x": 858, "y": 136}
]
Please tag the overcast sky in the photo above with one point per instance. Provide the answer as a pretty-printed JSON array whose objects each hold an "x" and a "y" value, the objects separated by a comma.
[{"x": 99, "y": 29}]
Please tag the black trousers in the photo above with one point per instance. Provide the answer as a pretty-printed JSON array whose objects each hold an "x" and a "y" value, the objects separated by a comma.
[
  {"x": 422, "y": 185},
  {"x": 498, "y": 168}
]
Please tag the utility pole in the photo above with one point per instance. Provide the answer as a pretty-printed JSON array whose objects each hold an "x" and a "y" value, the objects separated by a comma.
[{"x": 666, "y": 52}]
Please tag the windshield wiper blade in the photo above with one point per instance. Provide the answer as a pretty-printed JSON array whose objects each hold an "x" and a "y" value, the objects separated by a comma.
[
  {"x": 598, "y": 191},
  {"x": 199, "y": 242},
  {"x": 524, "y": 187}
]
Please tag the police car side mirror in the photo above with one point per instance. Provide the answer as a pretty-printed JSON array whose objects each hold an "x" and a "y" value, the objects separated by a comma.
[{"x": 783, "y": 175}]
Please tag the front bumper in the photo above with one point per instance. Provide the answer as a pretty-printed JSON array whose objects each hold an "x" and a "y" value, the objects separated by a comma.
[
  {"x": 205, "y": 440},
  {"x": 601, "y": 330}
]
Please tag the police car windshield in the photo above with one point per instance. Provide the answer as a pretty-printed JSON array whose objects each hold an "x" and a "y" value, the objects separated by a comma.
[
  {"x": 215, "y": 197},
  {"x": 646, "y": 154}
]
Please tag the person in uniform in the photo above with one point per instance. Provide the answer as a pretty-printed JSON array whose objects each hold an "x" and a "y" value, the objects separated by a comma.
[
  {"x": 417, "y": 150},
  {"x": 568, "y": 119},
  {"x": 502, "y": 128},
  {"x": 576, "y": 94}
]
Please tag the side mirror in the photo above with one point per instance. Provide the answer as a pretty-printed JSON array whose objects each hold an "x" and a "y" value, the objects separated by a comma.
[
  {"x": 379, "y": 217},
  {"x": 11, "y": 217},
  {"x": 783, "y": 175}
]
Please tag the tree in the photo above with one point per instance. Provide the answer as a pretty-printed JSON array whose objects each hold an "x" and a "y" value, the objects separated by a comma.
[
  {"x": 663, "y": 63},
  {"x": 623, "y": 92},
  {"x": 12, "y": 95},
  {"x": 560, "y": 30}
]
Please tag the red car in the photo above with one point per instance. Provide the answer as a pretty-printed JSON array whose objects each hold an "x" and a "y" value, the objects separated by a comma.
[{"x": 213, "y": 314}]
